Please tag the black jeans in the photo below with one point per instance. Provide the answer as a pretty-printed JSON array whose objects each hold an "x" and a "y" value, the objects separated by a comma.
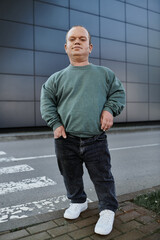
[{"x": 71, "y": 153}]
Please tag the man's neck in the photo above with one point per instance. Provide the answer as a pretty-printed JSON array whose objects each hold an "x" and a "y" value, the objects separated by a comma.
[{"x": 79, "y": 63}]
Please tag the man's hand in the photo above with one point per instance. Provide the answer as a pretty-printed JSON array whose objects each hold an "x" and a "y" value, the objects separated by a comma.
[
  {"x": 106, "y": 120},
  {"x": 60, "y": 131}
]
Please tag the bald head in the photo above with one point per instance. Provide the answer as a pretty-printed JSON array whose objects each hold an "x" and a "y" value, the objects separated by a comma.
[{"x": 79, "y": 26}]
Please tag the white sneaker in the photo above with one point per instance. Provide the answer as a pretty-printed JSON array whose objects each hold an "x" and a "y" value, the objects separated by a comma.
[
  {"x": 105, "y": 222},
  {"x": 75, "y": 209}
]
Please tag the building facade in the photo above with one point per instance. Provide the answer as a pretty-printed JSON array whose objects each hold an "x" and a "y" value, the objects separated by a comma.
[{"x": 125, "y": 35}]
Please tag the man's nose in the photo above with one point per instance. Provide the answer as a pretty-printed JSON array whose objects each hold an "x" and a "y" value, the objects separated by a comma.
[{"x": 77, "y": 41}]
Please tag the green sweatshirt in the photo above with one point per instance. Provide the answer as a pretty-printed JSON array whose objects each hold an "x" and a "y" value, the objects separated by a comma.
[{"x": 76, "y": 96}]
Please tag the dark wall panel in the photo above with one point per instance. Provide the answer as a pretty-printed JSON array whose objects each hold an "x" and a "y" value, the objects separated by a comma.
[
  {"x": 137, "y": 92},
  {"x": 86, "y": 5},
  {"x": 51, "y": 16},
  {"x": 38, "y": 84},
  {"x": 153, "y": 113},
  {"x": 137, "y": 54},
  {"x": 94, "y": 61},
  {"x": 16, "y": 35},
  {"x": 154, "y": 74},
  {"x": 117, "y": 67},
  {"x": 86, "y": 20},
  {"x": 141, "y": 3},
  {"x": 136, "y": 15},
  {"x": 95, "y": 51},
  {"x": 154, "y": 57},
  {"x": 63, "y": 3},
  {"x": 112, "y": 29},
  {"x": 136, "y": 34},
  {"x": 154, "y": 38},
  {"x": 48, "y": 63},
  {"x": 112, "y": 50},
  {"x": 137, "y": 73},
  {"x": 137, "y": 112},
  {"x": 112, "y": 9},
  {"x": 50, "y": 40},
  {"x": 17, "y": 10},
  {"x": 154, "y": 5},
  {"x": 154, "y": 93},
  {"x": 39, "y": 120},
  {"x": 154, "y": 20},
  {"x": 16, "y": 114},
  {"x": 16, "y": 61},
  {"x": 16, "y": 88}
]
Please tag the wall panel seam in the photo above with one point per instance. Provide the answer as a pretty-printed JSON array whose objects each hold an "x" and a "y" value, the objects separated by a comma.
[{"x": 35, "y": 120}]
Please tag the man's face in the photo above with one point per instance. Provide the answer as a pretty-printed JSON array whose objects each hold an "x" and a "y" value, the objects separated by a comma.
[{"x": 77, "y": 43}]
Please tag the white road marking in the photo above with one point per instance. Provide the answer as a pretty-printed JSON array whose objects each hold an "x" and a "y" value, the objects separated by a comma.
[
  {"x": 10, "y": 187},
  {"x": 139, "y": 146},
  {"x": 13, "y": 159},
  {"x": 7, "y": 159},
  {"x": 35, "y": 157},
  {"x": 39, "y": 207},
  {"x": 26, "y": 210},
  {"x": 15, "y": 169},
  {"x": 2, "y": 153}
]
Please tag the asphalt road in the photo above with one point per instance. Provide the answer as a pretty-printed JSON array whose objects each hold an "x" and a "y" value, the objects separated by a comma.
[{"x": 30, "y": 182}]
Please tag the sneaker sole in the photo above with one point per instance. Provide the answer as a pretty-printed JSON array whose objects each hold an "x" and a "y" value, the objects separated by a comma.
[
  {"x": 72, "y": 218},
  {"x": 103, "y": 234}
]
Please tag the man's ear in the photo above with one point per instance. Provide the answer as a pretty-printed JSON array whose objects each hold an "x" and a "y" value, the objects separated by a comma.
[
  {"x": 90, "y": 48},
  {"x": 65, "y": 47}
]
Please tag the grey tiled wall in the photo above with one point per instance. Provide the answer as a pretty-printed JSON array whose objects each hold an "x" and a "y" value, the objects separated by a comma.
[{"x": 125, "y": 36}]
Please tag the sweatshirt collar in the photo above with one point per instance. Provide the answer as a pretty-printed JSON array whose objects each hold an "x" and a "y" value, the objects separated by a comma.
[{"x": 80, "y": 67}]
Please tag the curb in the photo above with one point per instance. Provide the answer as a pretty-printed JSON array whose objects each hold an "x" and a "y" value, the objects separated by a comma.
[
  {"x": 49, "y": 134},
  {"x": 42, "y": 218}
]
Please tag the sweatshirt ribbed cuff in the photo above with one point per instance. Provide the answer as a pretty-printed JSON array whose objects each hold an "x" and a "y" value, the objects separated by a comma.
[
  {"x": 108, "y": 110},
  {"x": 56, "y": 125}
]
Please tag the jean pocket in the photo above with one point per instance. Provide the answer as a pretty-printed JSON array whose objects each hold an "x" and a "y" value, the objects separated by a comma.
[
  {"x": 102, "y": 137},
  {"x": 58, "y": 138}
]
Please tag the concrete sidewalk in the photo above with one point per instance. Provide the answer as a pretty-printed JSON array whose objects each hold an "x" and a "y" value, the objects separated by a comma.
[{"x": 131, "y": 223}]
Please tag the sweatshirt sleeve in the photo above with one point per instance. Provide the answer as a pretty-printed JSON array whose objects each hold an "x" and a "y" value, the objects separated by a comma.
[
  {"x": 48, "y": 105},
  {"x": 116, "y": 97}
]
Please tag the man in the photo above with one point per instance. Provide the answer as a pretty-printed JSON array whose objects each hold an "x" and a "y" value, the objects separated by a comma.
[{"x": 79, "y": 103}]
